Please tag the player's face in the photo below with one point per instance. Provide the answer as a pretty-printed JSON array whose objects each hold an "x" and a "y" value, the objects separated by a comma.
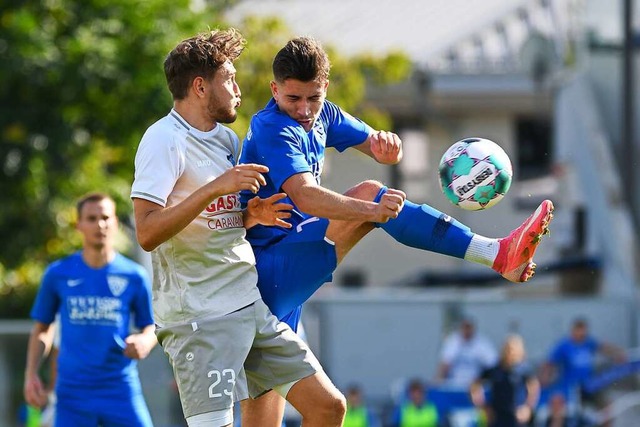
[
  {"x": 354, "y": 399},
  {"x": 513, "y": 353},
  {"x": 579, "y": 333},
  {"x": 224, "y": 95},
  {"x": 98, "y": 224},
  {"x": 302, "y": 101},
  {"x": 416, "y": 395},
  {"x": 467, "y": 330}
]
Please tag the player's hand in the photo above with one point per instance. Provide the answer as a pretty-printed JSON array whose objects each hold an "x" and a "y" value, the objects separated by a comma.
[
  {"x": 241, "y": 177},
  {"x": 34, "y": 392},
  {"x": 523, "y": 414},
  {"x": 138, "y": 346},
  {"x": 386, "y": 147},
  {"x": 390, "y": 205},
  {"x": 269, "y": 212}
]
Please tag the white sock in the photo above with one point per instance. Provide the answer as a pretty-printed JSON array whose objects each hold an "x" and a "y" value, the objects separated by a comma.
[{"x": 482, "y": 250}]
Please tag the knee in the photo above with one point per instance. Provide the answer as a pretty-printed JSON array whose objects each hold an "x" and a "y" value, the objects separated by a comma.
[
  {"x": 323, "y": 406},
  {"x": 341, "y": 405},
  {"x": 334, "y": 409},
  {"x": 366, "y": 190}
]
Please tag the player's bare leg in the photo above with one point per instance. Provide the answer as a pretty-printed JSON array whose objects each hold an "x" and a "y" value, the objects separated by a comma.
[
  {"x": 265, "y": 411},
  {"x": 319, "y": 402},
  {"x": 346, "y": 234},
  {"x": 316, "y": 398}
]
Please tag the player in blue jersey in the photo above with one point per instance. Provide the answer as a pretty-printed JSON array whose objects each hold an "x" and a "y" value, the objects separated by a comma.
[
  {"x": 94, "y": 291},
  {"x": 289, "y": 136}
]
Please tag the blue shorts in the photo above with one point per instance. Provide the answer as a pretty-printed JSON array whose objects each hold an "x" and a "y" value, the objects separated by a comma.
[
  {"x": 115, "y": 411},
  {"x": 292, "y": 269}
]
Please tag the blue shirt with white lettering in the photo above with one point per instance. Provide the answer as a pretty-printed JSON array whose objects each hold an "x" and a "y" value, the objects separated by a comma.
[
  {"x": 277, "y": 141},
  {"x": 95, "y": 306}
]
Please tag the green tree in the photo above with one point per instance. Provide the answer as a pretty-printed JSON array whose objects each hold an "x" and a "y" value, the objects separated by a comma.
[{"x": 80, "y": 82}]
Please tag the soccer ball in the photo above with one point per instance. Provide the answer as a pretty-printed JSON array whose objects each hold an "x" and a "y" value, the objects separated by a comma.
[{"x": 475, "y": 173}]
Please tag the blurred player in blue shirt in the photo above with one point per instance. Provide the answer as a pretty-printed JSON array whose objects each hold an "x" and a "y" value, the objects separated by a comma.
[
  {"x": 574, "y": 359},
  {"x": 94, "y": 291}
]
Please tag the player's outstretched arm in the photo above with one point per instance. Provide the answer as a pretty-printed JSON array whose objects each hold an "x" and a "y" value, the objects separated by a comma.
[
  {"x": 476, "y": 392},
  {"x": 156, "y": 224},
  {"x": 316, "y": 200},
  {"x": 615, "y": 353},
  {"x": 524, "y": 412},
  {"x": 267, "y": 212},
  {"x": 382, "y": 146}
]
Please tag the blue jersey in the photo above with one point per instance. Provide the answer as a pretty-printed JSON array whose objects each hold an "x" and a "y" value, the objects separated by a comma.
[
  {"x": 277, "y": 141},
  {"x": 94, "y": 307},
  {"x": 575, "y": 360}
]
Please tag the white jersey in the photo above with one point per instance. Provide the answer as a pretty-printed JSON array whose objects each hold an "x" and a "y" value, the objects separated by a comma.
[
  {"x": 467, "y": 358},
  {"x": 208, "y": 268}
]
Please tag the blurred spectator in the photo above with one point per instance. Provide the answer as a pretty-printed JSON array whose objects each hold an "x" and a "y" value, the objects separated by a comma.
[
  {"x": 465, "y": 353},
  {"x": 358, "y": 415},
  {"x": 559, "y": 415},
  {"x": 514, "y": 390},
  {"x": 417, "y": 411},
  {"x": 572, "y": 360}
]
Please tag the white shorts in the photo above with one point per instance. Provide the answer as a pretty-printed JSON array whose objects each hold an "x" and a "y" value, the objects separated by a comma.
[{"x": 243, "y": 354}]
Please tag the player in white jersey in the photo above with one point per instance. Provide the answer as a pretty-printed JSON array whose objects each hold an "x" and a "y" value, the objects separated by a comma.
[{"x": 222, "y": 341}]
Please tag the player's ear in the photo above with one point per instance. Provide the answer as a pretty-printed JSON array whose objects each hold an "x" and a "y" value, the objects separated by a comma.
[
  {"x": 274, "y": 88},
  {"x": 198, "y": 86}
]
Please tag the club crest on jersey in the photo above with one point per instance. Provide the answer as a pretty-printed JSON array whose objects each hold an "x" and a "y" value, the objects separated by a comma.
[
  {"x": 318, "y": 129},
  {"x": 117, "y": 284}
]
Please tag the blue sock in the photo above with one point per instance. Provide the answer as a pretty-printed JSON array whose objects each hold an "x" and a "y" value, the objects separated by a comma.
[{"x": 423, "y": 227}]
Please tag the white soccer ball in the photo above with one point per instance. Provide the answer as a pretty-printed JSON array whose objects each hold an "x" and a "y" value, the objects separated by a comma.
[{"x": 475, "y": 173}]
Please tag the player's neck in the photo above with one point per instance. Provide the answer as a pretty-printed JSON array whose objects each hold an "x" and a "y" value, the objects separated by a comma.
[
  {"x": 194, "y": 115},
  {"x": 98, "y": 257}
]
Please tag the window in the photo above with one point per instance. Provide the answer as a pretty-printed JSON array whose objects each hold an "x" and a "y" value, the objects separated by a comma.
[
  {"x": 413, "y": 174},
  {"x": 533, "y": 138}
]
